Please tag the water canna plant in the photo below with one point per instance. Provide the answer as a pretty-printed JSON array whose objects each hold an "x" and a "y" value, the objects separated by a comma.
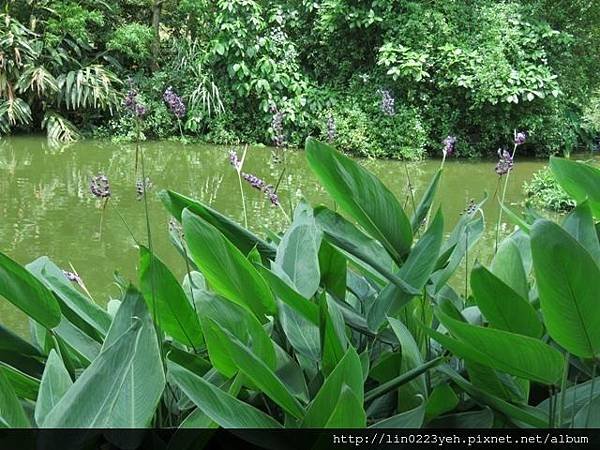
[{"x": 348, "y": 318}]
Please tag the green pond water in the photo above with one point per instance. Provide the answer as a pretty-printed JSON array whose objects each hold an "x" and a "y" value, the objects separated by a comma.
[{"x": 46, "y": 207}]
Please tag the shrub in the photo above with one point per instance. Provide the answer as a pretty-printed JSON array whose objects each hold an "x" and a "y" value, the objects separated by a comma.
[{"x": 544, "y": 192}]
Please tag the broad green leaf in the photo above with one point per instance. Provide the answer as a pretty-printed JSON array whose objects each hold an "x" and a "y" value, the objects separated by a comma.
[
  {"x": 363, "y": 196},
  {"x": 576, "y": 397},
  {"x": 302, "y": 334},
  {"x": 411, "y": 359},
  {"x": 443, "y": 399},
  {"x": 225, "y": 268},
  {"x": 502, "y": 306},
  {"x": 580, "y": 224},
  {"x": 347, "y": 372},
  {"x": 368, "y": 253},
  {"x": 12, "y": 414},
  {"x": 258, "y": 372},
  {"x": 348, "y": 411},
  {"x": 221, "y": 407},
  {"x": 579, "y": 180},
  {"x": 508, "y": 266},
  {"x": 243, "y": 239},
  {"x": 167, "y": 301},
  {"x": 239, "y": 322},
  {"x": 482, "y": 419},
  {"x": 333, "y": 336},
  {"x": 568, "y": 282},
  {"x": 56, "y": 381},
  {"x": 589, "y": 415},
  {"x": 142, "y": 389},
  {"x": 83, "y": 345},
  {"x": 25, "y": 386},
  {"x": 192, "y": 362},
  {"x": 96, "y": 400},
  {"x": 415, "y": 271},
  {"x": 516, "y": 354},
  {"x": 54, "y": 279},
  {"x": 333, "y": 267},
  {"x": 28, "y": 294},
  {"x": 288, "y": 295},
  {"x": 298, "y": 256},
  {"x": 529, "y": 415},
  {"x": 412, "y": 418},
  {"x": 426, "y": 201},
  {"x": 19, "y": 353}
]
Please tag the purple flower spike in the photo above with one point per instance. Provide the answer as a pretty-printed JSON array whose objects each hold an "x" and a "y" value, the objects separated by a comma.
[
  {"x": 449, "y": 145},
  {"x": 254, "y": 181},
  {"x": 277, "y": 126},
  {"x": 387, "y": 102},
  {"x": 330, "y": 128},
  {"x": 99, "y": 186},
  {"x": 131, "y": 103},
  {"x": 174, "y": 102},
  {"x": 520, "y": 138},
  {"x": 261, "y": 185},
  {"x": 234, "y": 160},
  {"x": 73, "y": 277},
  {"x": 141, "y": 187},
  {"x": 505, "y": 164}
]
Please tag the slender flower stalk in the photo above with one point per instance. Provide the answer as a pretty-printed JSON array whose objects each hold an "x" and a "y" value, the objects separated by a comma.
[
  {"x": 100, "y": 188},
  {"x": 504, "y": 167},
  {"x": 238, "y": 165},
  {"x": 449, "y": 147}
]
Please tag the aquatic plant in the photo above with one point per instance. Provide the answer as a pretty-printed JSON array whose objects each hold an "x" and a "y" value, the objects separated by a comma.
[
  {"x": 343, "y": 320},
  {"x": 503, "y": 168},
  {"x": 141, "y": 186}
]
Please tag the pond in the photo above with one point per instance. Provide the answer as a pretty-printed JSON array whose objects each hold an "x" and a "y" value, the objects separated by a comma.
[{"x": 46, "y": 207}]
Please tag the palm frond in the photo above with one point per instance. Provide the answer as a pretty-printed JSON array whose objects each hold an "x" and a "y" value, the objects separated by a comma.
[
  {"x": 14, "y": 111},
  {"x": 91, "y": 87},
  {"x": 37, "y": 79},
  {"x": 59, "y": 129}
]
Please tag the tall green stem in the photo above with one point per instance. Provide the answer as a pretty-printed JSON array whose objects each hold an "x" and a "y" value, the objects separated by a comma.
[
  {"x": 563, "y": 395},
  {"x": 502, "y": 201}
]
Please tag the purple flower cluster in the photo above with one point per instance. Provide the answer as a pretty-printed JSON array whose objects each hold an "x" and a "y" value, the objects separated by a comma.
[
  {"x": 505, "y": 164},
  {"x": 330, "y": 128},
  {"x": 141, "y": 187},
  {"x": 277, "y": 126},
  {"x": 471, "y": 208},
  {"x": 520, "y": 138},
  {"x": 261, "y": 185},
  {"x": 449, "y": 145},
  {"x": 99, "y": 186},
  {"x": 234, "y": 160},
  {"x": 174, "y": 102},
  {"x": 387, "y": 102},
  {"x": 73, "y": 277},
  {"x": 132, "y": 104}
]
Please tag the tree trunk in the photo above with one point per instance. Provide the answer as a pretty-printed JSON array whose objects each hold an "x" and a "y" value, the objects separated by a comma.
[{"x": 156, "y": 10}]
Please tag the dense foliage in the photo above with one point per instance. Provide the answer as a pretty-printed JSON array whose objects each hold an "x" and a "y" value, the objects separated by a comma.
[
  {"x": 475, "y": 69},
  {"x": 544, "y": 192},
  {"x": 339, "y": 321}
]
